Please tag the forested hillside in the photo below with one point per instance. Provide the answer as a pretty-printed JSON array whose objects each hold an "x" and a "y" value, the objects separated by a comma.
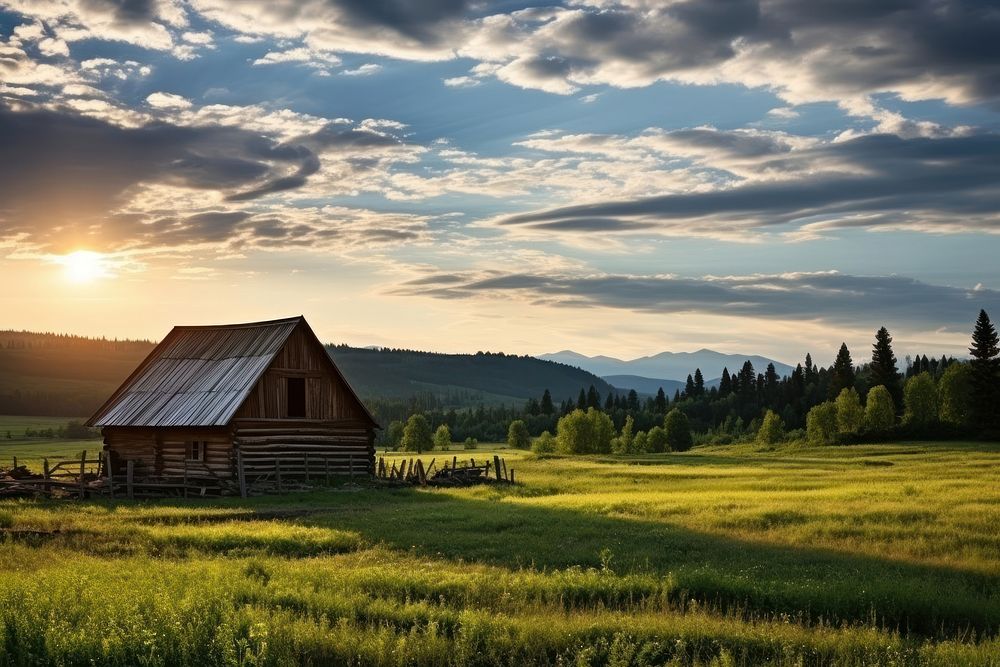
[{"x": 60, "y": 375}]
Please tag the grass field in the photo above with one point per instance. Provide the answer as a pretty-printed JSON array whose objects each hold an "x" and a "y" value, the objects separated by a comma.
[{"x": 860, "y": 555}]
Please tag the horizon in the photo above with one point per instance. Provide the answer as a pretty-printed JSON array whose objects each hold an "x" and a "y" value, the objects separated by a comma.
[{"x": 612, "y": 178}]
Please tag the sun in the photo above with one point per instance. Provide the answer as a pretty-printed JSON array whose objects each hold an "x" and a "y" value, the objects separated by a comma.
[{"x": 83, "y": 266}]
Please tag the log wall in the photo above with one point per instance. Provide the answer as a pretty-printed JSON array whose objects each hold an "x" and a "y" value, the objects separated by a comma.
[
  {"x": 162, "y": 452},
  {"x": 341, "y": 448}
]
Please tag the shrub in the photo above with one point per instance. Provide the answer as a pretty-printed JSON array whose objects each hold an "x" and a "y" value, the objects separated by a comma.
[
  {"x": 955, "y": 394},
  {"x": 656, "y": 440},
  {"x": 587, "y": 432},
  {"x": 640, "y": 444},
  {"x": 394, "y": 434},
  {"x": 880, "y": 410},
  {"x": 678, "y": 431},
  {"x": 920, "y": 399},
  {"x": 623, "y": 443},
  {"x": 470, "y": 443},
  {"x": 442, "y": 437},
  {"x": 821, "y": 424},
  {"x": 772, "y": 429},
  {"x": 849, "y": 411},
  {"x": 417, "y": 435},
  {"x": 544, "y": 444},
  {"x": 517, "y": 435}
]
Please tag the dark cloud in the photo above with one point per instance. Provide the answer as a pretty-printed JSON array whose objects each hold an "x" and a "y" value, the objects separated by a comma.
[
  {"x": 413, "y": 18},
  {"x": 60, "y": 172},
  {"x": 830, "y": 296},
  {"x": 921, "y": 181}
]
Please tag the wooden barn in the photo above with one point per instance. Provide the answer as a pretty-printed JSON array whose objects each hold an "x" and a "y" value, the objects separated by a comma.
[{"x": 237, "y": 403}]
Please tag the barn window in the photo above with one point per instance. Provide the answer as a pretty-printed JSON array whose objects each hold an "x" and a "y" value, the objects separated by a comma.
[
  {"x": 296, "y": 397},
  {"x": 195, "y": 450}
]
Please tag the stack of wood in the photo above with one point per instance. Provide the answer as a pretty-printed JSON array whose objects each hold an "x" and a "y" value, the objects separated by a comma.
[{"x": 410, "y": 472}]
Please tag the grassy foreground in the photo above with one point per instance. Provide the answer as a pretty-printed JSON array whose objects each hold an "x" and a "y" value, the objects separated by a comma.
[{"x": 861, "y": 555}]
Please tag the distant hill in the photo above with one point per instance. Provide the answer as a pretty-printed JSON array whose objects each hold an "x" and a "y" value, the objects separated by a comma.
[
  {"x": 399, "y": 373},
  {"x": 58, "y": 375},
  {"x": 667, "y": 365},
  {"x": 644, "y": 385}
]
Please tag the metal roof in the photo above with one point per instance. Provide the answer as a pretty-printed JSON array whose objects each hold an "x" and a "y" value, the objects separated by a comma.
[{"x": 197, "y": 376}]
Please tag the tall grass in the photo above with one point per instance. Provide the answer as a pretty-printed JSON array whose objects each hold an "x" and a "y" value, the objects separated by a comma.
[{"x": 845, "y": 556}]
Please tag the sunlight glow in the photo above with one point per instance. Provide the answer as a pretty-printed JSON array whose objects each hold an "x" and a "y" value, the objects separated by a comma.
[{"x": 83, "y": 266}]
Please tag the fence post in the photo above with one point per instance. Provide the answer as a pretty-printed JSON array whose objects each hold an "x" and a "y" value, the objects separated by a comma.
[
  {"x": 496, "y": 466},
  {"x": 511, "y": 475},
  {"x": 15, "y": 461},
  {"x": 47, "y": 475},
  {"x": 129, "y": 476},
  {"x": 83, "y": 470},
  {"x": 110, "y": 474},
  {"x": 241, "y": 474}
]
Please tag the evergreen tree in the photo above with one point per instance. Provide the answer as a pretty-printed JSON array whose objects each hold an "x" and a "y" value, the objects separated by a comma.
[
  {"x": 633, "y": 401},
  {"x": 661, "y": 402},
  {"x": 842, "y": 373},
  {"x": 689, "y": 390},
  {"x": 883, "y": 368},
  {"x": 748, "y": 381},
  {"x": 593, "y": 398},
  {"x": 725, "y": 384},
  {"x": 581, "y": 401},
  {"x": 609, "y": 402},
  {"x": 810, "y": 370},
  {"x": 699, "y": 383},
  {"x": 546, "y": 406},
  {"x": 985, "y": 373}
]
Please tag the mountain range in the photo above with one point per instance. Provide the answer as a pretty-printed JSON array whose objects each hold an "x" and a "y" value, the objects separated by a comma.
[{"x": 666, "y": 369}]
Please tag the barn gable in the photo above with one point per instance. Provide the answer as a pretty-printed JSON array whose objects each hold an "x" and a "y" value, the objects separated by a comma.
[{"x": 204, "y": 376}]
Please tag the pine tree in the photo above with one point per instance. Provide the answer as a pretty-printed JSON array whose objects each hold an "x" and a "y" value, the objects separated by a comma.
[
  {"x": 546, "y": 405},
  {"x": 689, "y": 389},
  {"x": 581, "y": 401},
  {"x": 593, "y": 398},
  {"x": 661, "y": 402},
  {"x": 810, "y": 370},
  {"x": 609, "y": 402},
  {"x": 633, "y": 401},
  {"x": 985, "y": 373},
  {"x": 725, "y": 384},
  {"x": 883, "y": 368},
  {"x": 699, "y": 383},
  {"x": 842, "y": 373},
  {"x": 748, "y": 381}
]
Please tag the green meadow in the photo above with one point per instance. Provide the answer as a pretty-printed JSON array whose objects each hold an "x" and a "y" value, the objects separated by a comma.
[{"x": 853, "y": 555}]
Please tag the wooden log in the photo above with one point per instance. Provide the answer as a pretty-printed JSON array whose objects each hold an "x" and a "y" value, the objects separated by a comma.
[
  {"x": 185, "y": 492},
  {"x": 129, "y": 478},
  {"x": 350, "y": 468},
  {"x": 241, "y": 473},
  {"x": 307, "y": 466},
  {"x": 277, "y": 472},
  {"x": 47, "y": 476},
  {"x": 109, "y": 474},
  {"x": 83, "y": 470},
  {"x": 496, "y": 466},
  {"x": 421, "y": 475},
  {"x": 326, "y": 469},
  {"x": 511, "y": 475}
]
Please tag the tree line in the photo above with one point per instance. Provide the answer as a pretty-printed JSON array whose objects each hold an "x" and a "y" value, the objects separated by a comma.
[{"x": 843, "y": 402}]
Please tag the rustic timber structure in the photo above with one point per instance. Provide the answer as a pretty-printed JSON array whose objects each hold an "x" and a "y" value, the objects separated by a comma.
[{"x": 231, "y": 405}]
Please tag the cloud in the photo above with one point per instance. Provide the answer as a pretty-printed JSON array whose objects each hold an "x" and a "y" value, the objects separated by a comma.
[
  {"x": 828, "y": 296},
  {"x": 168, "y": 101},
  {"x": 878, "y": 181},
  {"x": 364, "y": 70}
]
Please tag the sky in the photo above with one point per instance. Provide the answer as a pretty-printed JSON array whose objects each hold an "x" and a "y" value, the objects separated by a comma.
[{"x": 614, "y": 177}]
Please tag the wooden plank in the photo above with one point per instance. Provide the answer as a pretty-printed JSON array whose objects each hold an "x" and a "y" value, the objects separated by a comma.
[
  {"x": 110, "y": 474},
  {"x": 277, "y": 471},
  {"x": 241, "y": 473},
  {"x": 46, "y": 473},
  {"x": 496, "y": 466},
  {"x": 83, "y": 470},
  {"x": 129, "y": 478}
]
